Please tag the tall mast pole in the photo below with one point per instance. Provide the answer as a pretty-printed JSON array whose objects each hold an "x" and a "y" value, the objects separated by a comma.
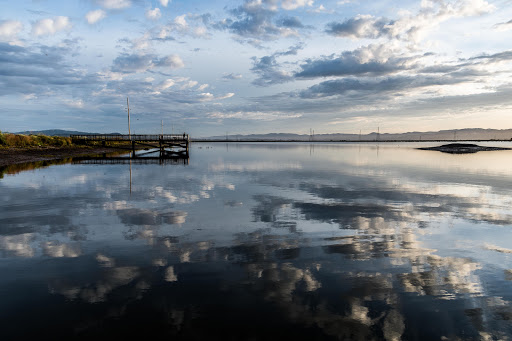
[
  {"x": 128, "y": 106},
  {"x": 162, "y": 127}
]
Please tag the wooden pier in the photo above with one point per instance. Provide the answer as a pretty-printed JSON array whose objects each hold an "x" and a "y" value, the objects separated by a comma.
[{"x": 162, "y": 141}]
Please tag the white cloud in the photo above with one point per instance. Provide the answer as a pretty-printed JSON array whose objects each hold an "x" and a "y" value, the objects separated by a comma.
[
  {"x": 182, "y": 26},
  {"x": 322, "y": 9},
  {"x": 50, "y": 26},
  {"x": 75, "y": 103},
  {"x": 294, "y": 4},
  {"x": 93, "y": 17},
  {"x": 141, "y": 43},
  {"x": 410, "y": 27},
  {"x": 173, "y": 61},
  {"x": 232, "y": 76},
  {"x": 206, "y": 96},
  {"x": 180, "y": 21},
  {"x": 200, "y": 32},
  {"x": 153, "y": 14},
  {"x": 9, "y": 30},
  {"x": 253, "y": 115},
  {"x": 166, "y": 84},
  {"x": 115, "y": 4},
  {"x": 505, "y": 26},
  {"x": 164, "y": 2},
  {"x": 188, "y": 85},
  {"x": 228, "y": 95}
]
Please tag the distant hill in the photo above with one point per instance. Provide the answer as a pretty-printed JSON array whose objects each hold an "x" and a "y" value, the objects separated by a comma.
[
  {"x": 58, "y": 132},
  {"x": 455, "y": 134}
]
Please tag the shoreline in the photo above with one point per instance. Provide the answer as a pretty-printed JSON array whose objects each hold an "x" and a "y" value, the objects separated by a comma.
[
  {"x": 17, "y": 155},
  {"x": 14, "y": 155}
]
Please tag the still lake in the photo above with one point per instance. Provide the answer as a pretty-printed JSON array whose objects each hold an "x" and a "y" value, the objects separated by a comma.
[{"x": 262, "y": 241}]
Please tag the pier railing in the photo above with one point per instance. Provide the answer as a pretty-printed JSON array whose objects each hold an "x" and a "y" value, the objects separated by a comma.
[{"x": 133, "y": 137}]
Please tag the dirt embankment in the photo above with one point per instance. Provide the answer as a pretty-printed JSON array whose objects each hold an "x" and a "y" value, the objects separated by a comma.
[{"x": 10, "y": 156}]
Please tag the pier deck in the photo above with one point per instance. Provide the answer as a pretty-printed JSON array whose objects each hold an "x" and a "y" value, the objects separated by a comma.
[{"x": 163, "y": 140}]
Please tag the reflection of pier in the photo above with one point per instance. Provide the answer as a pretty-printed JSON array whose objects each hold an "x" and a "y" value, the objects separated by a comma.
[
  {"x": 148, "y": 160},
  {"x": 162, "y": 141},
  {"x": 162, "y": 157}
]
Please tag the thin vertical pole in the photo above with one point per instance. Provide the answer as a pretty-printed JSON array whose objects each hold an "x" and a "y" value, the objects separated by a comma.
[
  {"x": 162, "y": 127},
  {"x": 128, "y": 106}
]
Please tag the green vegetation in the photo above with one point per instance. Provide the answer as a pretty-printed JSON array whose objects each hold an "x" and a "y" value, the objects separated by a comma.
[{"x": 15, "y": 140}]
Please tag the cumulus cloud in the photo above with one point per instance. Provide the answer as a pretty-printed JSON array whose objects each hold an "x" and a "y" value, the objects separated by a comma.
[
  {"x": 172, "y": 61},
  {"x": 166, "y": 84},
  {"x": 206, "y": 96},
  {"x": 38, "y": 70},
  {"x": 75, "y": 103},
  {"x": 50, "y": 26},
  {"x": 164, "y": 2},
  {"x": 128, "y": 63},
  {"x": 180, "y": 25},
  {"x": 254, "y": 19},
  {"x": 355, "y": 85},
  {"x": 232, "y": 76},
  {"x": 321, "y": 9},
  {"x": 505, "y": 26},
  {"x": 409, "y": 26},
  {"x": 362, "y": 26},
  {"x": 153, "y": 14},
  {"x": 93, "y": 17},
  {"x": 294, "y": 4},
  {"x": 9, "y": 30},
  {"x": 253, "y": 115},
  {"x": 368, "y": 60},
  {"x": 291, "y": 22},
  {"x": 268, "y": 69},
  {"x": 269, "y": 72},
  {"x": 134, "y": 63},
  {"x": 115, "y": 4}
]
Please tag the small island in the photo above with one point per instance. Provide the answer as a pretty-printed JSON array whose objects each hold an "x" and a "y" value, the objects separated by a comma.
[{"x": 462, "y": 148}]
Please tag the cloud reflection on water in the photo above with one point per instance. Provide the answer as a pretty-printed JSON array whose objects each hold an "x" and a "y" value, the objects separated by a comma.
[{"x": 345, "y": 249}]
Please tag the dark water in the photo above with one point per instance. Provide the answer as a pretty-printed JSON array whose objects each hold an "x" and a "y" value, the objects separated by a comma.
[{"x": 261, "y": 242}]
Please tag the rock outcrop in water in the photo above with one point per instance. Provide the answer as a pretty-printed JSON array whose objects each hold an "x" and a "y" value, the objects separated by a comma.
[{"x": 462, "y": 148}]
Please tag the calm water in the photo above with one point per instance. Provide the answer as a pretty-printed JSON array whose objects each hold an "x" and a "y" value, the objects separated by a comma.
[{"x": 261, "y": 242}]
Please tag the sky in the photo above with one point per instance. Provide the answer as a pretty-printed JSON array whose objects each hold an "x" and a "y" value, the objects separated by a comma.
[{"x": 210, "y": 67}]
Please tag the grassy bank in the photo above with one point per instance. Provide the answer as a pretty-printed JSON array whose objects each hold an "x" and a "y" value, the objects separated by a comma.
[{"x": 27, "y": 141}]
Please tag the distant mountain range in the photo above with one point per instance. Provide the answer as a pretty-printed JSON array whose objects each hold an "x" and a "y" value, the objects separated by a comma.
[{"x": 454, "y": 134}]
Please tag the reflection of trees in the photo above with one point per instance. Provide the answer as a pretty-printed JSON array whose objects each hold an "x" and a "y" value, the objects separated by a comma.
[{"x": 26, "y": 166}]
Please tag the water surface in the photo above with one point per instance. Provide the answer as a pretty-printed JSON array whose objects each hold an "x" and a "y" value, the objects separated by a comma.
[{"x": 261, "y": 241}]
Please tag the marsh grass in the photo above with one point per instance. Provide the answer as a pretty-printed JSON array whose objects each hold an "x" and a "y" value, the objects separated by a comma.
[{"x": 15, "y": 140}]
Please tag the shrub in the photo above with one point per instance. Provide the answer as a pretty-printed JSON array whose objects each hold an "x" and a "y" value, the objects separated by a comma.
[
  {"x": 3, "y": 140},
  {"x": 13, "y": 140}
]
